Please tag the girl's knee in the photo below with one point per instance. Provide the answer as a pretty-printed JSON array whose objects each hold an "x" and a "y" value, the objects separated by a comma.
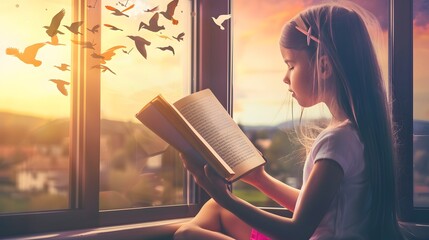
[
  {"x": 184, "y": 232},
  {"x": 212, "y": 204}
]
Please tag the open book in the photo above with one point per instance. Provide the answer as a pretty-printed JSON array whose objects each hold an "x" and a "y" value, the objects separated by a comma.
[{"x": 198, "y": 125}]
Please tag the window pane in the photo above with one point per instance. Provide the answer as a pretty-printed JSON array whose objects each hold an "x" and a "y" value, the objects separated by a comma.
[
  {"x": 421, "y": 99},
  {"x": 34, "y": 114},
  {"x": 262, "y": 104},
  {"x": 137, "y": 169}
]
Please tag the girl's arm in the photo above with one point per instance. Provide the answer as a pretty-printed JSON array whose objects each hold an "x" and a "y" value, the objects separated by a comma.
[
  {"x": 322, "y": 185},
  {"x": 278, "y": 191}
]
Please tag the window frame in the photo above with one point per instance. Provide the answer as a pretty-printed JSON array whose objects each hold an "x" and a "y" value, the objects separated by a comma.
[
  {"x": 81, "y": 198},
  {"x": 401, "y": 67},
  {"x": 85, "y": 131}
]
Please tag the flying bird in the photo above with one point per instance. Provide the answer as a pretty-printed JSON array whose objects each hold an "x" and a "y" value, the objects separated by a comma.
[
  {"x": 169, "y": 48},
  {"x": 153, "y": 24},
  {"x": 74, "y": 27},
  {"x": 141, "y": 44},
  {"x": 122, "y": 4},
  {"x": 164, "y": 37},
  {"x": 29, "y": 54},
  {"x": 63, "y": 67},
  {"x": 113, "y": 27},
  {"x": 127, "y": 52},
  {"x": 54, "y": 41},
  {"x": 95, "y": 55},
  {"x": 117, "y": 12},
  {"x": 103, "y": 68},
  {"x": 94, "y": 29},
  {"x": 61, "y": 85},
  {"x": 179, "y": 37},
  {"x": 86, "y": 44},
  {"x": 152, "y": 10},
  {"x": 109, "y": 53},
  {"x": 170, "y": 11},
  {"x": 220, "y": 19},
  {"x": 55, "y": 23}
]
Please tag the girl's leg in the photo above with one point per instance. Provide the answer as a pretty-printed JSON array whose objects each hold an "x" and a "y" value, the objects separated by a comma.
[{"x": 214, "y": 222}]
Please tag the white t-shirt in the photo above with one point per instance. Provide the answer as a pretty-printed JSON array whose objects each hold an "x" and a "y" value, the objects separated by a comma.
[{"x": 348, "y": 215}]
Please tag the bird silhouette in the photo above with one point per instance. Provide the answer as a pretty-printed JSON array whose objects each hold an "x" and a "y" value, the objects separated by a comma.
[
  {"x": 63, "y": 67},
  {"x": 220, "y": 19},
  {"x": 179, "y": 37},
  {"x": 95, "y": 55},
  {"x": 164, "y": 37},
  {"x": 153, "y": 24},
  {"x": 122, "y": 4},
  {"x": 86, "y": 44},
  {"x": 103, "y": 68},
  {"x": 74, "y": 27},
  {"x": 109, "y": 53},
  {"x": 61, "y": 85},
  {"x": 169, "y": 48},
  {"x": 55, "y": 23},
  {"x": 152, "y": 9},
  {"x": 141, "y": 44},
  {"x": 94, "y": 29},
  {"x": 117, "y": 12},
  {"x": 113, "y": 27},
  {"x": 54, "y": 41},
  {"x": 127, "y": 52},
  {"x": 171, "y": 7},
  {"x": 29, "y": 54}
]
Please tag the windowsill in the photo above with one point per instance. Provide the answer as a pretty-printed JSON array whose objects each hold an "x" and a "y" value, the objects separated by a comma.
[
  {"x": 158, "y": 230},
  {"x": 162, "y": 230}
]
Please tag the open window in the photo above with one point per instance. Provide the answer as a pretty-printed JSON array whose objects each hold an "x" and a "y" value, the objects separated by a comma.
[{"x": 72, "y": 154}]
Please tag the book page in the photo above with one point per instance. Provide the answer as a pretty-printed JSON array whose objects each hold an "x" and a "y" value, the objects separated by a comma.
[
  {"x": 153, "y": 119},
  {"x": 167, "y": 122},
  {"x": 205, "y": 113}
]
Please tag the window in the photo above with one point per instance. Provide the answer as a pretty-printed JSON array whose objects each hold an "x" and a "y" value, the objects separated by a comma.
[
  {"x": 408, "y": 19},
  {"x": 261, "y": 105},
  {"x": 88, "y": 136},
  {"x": 34, "y": 112},
  {"x": 420, "y": 100},
  {"x": 136, "y": 168}
]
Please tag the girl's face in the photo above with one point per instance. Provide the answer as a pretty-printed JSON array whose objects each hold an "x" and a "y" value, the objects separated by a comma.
[{"x": 300, "y": 76}]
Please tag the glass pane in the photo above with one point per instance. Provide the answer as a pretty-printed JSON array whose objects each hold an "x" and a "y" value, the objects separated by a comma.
[
  {"x": 137, "y": 169},
  {"x": 262, "y": 105},
  {"x": 420, "y": 101},
  {"x": 34, "y": 113}
]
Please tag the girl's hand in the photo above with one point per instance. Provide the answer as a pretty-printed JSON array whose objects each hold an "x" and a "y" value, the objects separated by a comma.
[{"x": 208, "y": 179}]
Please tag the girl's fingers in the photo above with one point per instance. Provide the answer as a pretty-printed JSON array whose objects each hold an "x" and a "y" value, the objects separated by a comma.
[
  {"x": 214, "y": 177},
  {"x": 210, "y": 173}
]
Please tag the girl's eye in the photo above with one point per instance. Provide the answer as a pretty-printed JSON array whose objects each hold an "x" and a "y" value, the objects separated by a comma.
[{"x": 291, "y": 68}]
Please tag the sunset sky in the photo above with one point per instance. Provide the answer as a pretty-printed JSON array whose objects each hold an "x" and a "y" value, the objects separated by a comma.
[{"x": 260, "y": 96}]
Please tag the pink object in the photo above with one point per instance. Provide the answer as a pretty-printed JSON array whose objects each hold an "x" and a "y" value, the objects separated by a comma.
[
  {"x": 255, "y": 235},
  {"x": 308, "y": 34}
]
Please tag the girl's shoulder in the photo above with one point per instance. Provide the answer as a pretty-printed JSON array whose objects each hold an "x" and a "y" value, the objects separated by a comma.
[
  {"x": 345, "y": 131},
  {"x": 341, "y": 144}
]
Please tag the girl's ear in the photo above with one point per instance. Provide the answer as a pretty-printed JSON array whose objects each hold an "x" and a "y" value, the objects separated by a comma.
[{"x": 325, "y": 67}]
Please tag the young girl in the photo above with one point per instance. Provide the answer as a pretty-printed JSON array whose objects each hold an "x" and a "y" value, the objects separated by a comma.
[{"x": 348, "y": 190}]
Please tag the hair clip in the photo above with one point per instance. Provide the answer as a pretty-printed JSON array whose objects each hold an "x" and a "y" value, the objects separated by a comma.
[{"x": 308, "y": 34}]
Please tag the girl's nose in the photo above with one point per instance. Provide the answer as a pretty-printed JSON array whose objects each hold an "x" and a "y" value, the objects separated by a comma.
[{"x": 286, "y": 79}]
